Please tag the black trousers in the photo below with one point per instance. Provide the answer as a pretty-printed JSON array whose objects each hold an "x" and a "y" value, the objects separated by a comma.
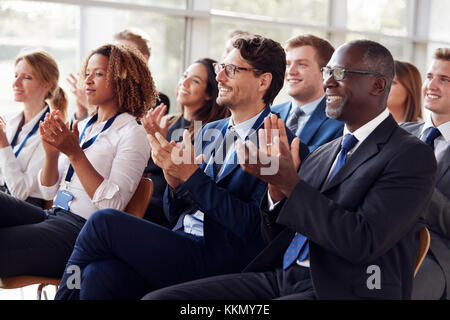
[
  {"x": 34, "y": 241},
  {"x": 292, "y": 284}
]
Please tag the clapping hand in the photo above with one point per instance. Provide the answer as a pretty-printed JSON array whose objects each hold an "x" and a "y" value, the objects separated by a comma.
[
  {"x": 177, "y": 160},
  {"x": 274, "y": 162},
  {"x": 56, "y": 136}
]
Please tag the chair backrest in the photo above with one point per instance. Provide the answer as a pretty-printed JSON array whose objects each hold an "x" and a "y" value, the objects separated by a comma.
[
  {"x": 424, "y": 245},
  {"x": 141, "y": 198}
]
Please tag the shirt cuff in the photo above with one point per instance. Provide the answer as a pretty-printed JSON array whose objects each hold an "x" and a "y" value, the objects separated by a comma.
[
  {"x": 272, "y": 205},
  {"x": 48, "y": 192},
  {"x": 105, "y": 191}
]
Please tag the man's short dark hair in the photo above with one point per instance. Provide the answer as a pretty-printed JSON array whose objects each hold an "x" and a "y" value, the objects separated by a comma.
[
  {"x": 266, "y": 55},
  {"x": 377, "y": 58}
]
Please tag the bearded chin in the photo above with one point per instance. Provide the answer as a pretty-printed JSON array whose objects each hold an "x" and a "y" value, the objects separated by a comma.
[{"x": 334, "y": 113}]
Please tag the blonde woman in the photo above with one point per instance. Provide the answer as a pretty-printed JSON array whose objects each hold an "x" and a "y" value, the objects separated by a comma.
[{"x": 36, "y": 86}]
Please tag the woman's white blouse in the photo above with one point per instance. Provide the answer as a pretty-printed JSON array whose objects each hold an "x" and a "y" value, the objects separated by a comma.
[
  {"x": 20, "y": 174},
  {"x": 119, "y": 154}
]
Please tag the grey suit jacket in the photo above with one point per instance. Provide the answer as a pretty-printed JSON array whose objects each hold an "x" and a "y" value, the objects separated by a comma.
[{"x": 437, "y": 215}]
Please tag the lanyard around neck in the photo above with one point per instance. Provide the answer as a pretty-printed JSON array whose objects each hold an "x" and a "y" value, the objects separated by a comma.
[
  {"x": 88, "y": 143},
  {"x": 33, "y": 131}
]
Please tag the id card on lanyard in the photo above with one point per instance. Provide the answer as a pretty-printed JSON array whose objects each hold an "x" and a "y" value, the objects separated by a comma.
[{"x": 65, "y": 197}]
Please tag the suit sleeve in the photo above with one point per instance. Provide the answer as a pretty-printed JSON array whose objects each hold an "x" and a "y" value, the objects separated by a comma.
[
  {"x": 389, "y": 210},
  {"x": 437, "y": 214}
]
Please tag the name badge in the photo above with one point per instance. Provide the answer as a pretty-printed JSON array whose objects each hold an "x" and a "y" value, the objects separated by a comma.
[{"x": 63, "y": 199}]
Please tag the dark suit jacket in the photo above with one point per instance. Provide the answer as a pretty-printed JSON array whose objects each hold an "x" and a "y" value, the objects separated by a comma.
[
  {"x": 230, "y": 205},
  {"x": 366, "y": 215},
  {"x": 318, "y": 130},
  {"x": 437, "y": 215}
]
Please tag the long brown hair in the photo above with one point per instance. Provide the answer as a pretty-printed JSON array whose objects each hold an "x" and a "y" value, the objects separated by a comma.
[
  {"x": 210, "y": 111},
  {"x": 409, "y": 77},
  {"x": 46, "y": 70}
]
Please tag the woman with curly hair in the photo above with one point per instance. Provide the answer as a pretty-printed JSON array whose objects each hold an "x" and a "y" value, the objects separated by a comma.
[
  {"x": 36, "y": 86},
  {"x": 196, "y": 95},
  {"x": 94, "y": 166}
]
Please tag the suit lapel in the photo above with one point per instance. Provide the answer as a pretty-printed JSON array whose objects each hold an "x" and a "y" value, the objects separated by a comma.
[
  {"x": 443, "y": 165},
  {"x": 368, "y": 149},
  {"x": 314, "y": 123},
  {"x": 328, "y": 153}
]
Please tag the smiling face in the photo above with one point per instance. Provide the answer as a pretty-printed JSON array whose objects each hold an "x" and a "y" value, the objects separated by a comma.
[
  {"x": 98, "y": 91},
  {"x": 26, "y": 86},
  {"x": 436, "y": 91},
  {"x": 241, "y": 91},
  {"x": 191, "y": 89},
  {"x": 349, "y": 100},
  {"x": 303, "y": 76}
]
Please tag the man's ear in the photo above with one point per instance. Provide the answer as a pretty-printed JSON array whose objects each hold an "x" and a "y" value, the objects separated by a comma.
[
  {"x": 379, "y": 86},
  {"x": 264, "y": 81}
]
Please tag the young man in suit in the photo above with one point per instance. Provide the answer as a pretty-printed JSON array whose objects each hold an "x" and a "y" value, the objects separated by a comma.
[
  {"x": 433, "y": 278},
  {"x": 305, "y": 114},
  {"x": 347, "y": 226},
  {"x": 213, "y": 208}
]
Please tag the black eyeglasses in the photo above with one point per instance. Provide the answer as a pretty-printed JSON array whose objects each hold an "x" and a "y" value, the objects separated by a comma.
[
  {"x": 340, "y": 73},
  {"x": 230, "y": 69}
]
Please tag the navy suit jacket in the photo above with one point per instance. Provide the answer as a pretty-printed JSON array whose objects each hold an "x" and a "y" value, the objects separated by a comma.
[
  {"x": 232, "y": 233},
  {"x": 367, "y": 215},
  {"x": 437, "y": 215},
  {"x": 318, "y": 130}
]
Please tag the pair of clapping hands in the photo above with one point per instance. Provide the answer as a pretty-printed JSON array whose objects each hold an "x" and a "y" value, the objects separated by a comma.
[
  {"x": 57, "y": 137},
  {"x": 273, "y": 147}
]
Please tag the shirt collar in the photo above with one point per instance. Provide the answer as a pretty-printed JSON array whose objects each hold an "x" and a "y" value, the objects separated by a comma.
[
  {"x": 443, "y": 128},
  {"x": 363, "y": 132},
  {"x": 243, "y": 128},
  {"x": 309, "y": 107}
]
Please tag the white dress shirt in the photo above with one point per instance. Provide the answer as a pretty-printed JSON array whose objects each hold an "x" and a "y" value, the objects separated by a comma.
[
  {"x": 307, "y": 109},
  {"x": 119, "y": 155},
  {"x": 20, "y": 174},
  {"x": 442, "y": 142},
  {"x": 361, "y": 134}
]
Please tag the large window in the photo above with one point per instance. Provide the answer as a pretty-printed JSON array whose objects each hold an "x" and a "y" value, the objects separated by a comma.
[{"x": 53, "y": 27}]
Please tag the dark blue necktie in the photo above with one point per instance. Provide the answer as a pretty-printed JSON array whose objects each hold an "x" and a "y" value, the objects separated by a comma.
[
  {"x": 432, "y": 135},
  {"x": 299, "y": 247},
  {"x": 349, "y": 142}
]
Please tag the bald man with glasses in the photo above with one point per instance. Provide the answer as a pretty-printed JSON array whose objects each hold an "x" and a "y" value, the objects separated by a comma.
[{"x": 347, "y": 226}]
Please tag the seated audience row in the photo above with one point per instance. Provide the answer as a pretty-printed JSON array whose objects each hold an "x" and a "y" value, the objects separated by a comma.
[{"x": 309, "y": 236}]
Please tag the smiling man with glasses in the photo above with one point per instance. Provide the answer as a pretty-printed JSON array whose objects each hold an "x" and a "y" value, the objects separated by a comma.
[{"x": 347, "y": 226}]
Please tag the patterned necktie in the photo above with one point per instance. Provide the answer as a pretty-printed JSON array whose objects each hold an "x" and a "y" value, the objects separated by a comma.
[
  {"x": 292, "y": 122},
  {"x": 299, "y": 247},
  {"x": 432, "y": 135}
]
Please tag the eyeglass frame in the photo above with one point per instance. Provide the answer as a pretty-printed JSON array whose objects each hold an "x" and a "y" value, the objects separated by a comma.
[
  {"x": 347, "y": 70},
  {"x": 224, "y": 66}
]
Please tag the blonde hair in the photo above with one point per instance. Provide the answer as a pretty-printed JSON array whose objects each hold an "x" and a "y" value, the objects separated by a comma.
[
  {"x": 129, "y": 76},
  {"x": 46, "y": 71}
]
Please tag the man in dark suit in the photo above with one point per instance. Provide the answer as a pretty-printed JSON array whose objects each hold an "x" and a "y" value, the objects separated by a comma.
[
  {"x": 347, "y": 227},
  {"x": 213, "y": 208},
  {"x": 305, "y": 114},
  {"x": 433, "y": 278}
]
